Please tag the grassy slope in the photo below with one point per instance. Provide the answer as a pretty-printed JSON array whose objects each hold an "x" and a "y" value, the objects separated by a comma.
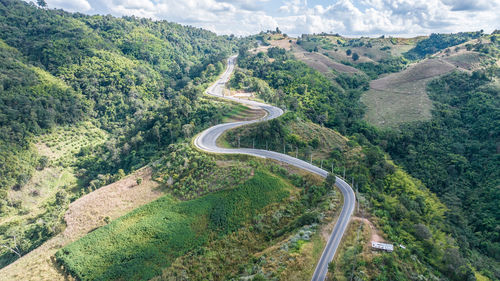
[
  {"x": 241, "y": 112},
  {"x": 301, "y": 136},
  {"x": 278, "y": 243},
  {"x": 401, "y": 97},
  {"x": 152, "y": 236}
]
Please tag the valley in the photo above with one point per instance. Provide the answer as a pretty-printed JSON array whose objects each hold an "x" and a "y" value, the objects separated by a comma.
[{"x": 143, "y": 149}]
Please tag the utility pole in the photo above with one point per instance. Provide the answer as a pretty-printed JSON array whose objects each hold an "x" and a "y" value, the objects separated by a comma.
[
  {"x": 311, "y": 157},
  {"x": 253, "y": 143},
  {"x": 296, "y": 152},
  {"x": 321, "y": 164},
  {"x": 344, "y": 171},
  {"x": 284, "y": 148},
  {"x": 238, "y": 141},
  {"x": 332, "y": 167},
  {"x": 357, "y": 197}
]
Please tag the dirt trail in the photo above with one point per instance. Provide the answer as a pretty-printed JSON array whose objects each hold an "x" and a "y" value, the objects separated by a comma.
[
  {"x": 84, "y": 215},
  {"x": 374, "y": 236}
]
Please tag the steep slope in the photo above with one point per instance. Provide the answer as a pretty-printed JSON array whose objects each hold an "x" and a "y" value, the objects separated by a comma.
[
  {"x": 456, "y": 155},
  {"x": 401, "y": 97}
]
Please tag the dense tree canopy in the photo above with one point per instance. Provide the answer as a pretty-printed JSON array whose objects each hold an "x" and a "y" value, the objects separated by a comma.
[
  {"x": 437, "y": 42},
  {"x": 137, "y": 79},
  {"x": 456, "y": 155}
]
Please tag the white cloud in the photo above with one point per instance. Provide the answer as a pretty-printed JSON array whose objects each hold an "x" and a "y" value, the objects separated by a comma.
[
  {"x": 471, "y": 5},
  {"x": 396, "y": 17},
  {"x": 72, "y": 5},
  {"x": 352, "y": 17}
]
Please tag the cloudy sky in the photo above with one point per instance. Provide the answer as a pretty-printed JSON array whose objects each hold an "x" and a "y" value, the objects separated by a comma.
[{"x": 295, "y": 17}]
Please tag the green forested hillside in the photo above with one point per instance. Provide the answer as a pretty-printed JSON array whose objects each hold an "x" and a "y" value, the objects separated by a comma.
[
  {"x": 32, "y": 101},
  {"x": 437, "y": 42},
  {"x": 454, "y": 155},
  {"x": 303, "y": 90},
  {"x": 138, "y": 80}
]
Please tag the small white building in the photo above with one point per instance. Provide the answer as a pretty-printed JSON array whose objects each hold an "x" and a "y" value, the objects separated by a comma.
[{"x": 382, "y": 246}]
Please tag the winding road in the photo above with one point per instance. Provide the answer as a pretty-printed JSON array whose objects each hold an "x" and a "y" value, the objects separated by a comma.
[{"x": 206, "y": 141}]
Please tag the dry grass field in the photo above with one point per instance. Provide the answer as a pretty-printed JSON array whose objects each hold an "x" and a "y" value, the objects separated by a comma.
[
  {"x": 401, "y": 97},
  {"x": 465, "y": 60},
  {"x": 321, "y": 62},
  {"x": 328, "y": 138}
]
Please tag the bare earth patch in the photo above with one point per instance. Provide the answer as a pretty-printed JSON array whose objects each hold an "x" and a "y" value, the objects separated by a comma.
[
  {"x": 84, "y": 215},
  {"x": 374, "y": 235}
]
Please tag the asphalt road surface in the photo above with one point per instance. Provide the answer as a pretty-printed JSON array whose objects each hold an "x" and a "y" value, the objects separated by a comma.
[{"x": 206, "y": 141}]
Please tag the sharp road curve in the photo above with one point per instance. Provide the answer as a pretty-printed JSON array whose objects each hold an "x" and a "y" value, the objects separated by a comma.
[{"x": 206, "y": 141}]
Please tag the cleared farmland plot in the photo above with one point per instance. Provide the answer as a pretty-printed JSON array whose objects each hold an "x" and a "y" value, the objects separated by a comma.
[
  {"x": 401, "y": 97},
  {"x": 315, "y": 60},
  {"x": 466, "y": 60},
  {"x": 323, "y": 63}
]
